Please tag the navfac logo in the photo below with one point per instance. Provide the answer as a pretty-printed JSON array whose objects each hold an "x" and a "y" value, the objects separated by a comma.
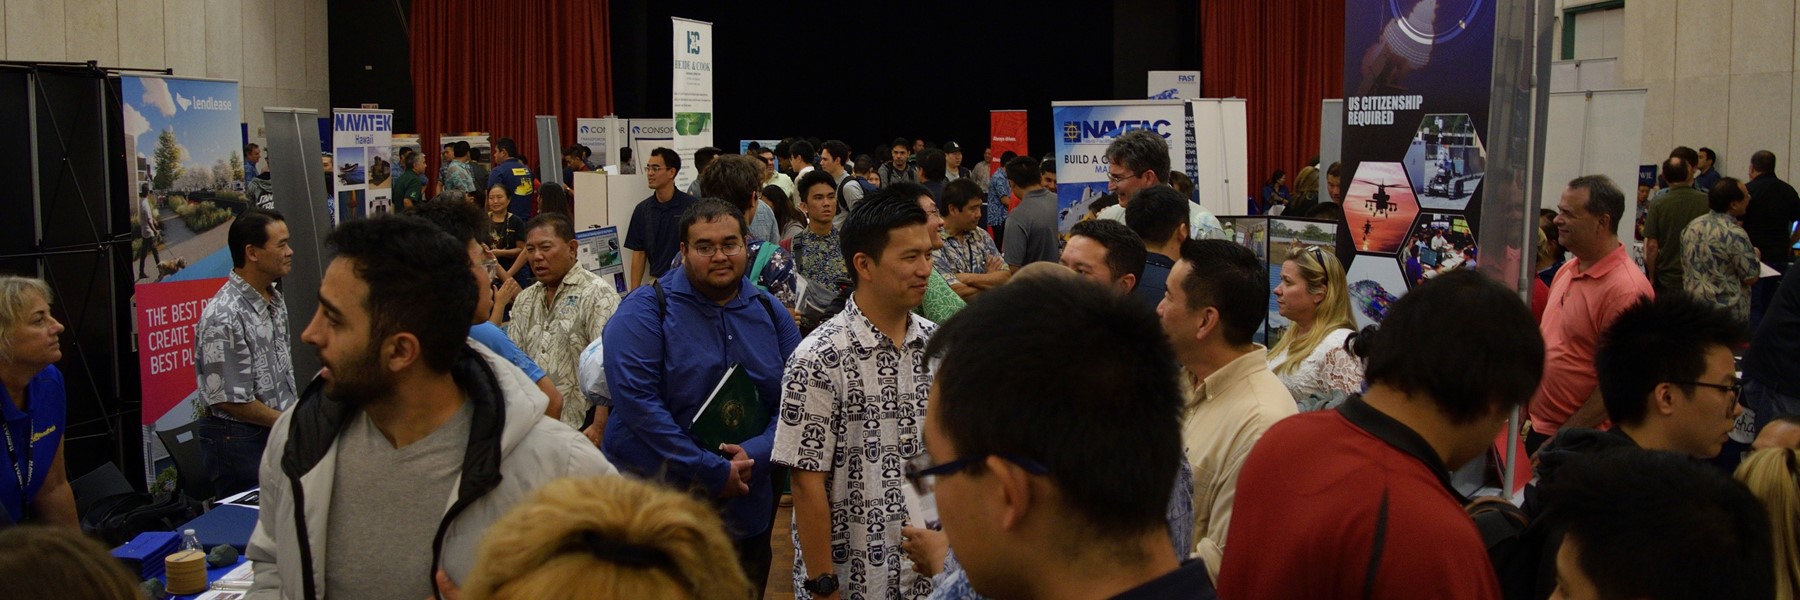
[
  {"x": 1074, "y": 132},
  {"x": 693, "y": 42}
]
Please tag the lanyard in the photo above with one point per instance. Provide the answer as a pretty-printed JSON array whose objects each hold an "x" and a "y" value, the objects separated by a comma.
[{"x": 23, "y": 477}]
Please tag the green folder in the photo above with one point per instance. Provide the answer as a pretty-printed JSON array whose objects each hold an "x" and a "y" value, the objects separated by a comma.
[{"x": 732, "y": 413}]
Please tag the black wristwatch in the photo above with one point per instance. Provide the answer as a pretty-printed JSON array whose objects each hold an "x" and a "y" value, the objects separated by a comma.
[{"x": 822, "y": 585}]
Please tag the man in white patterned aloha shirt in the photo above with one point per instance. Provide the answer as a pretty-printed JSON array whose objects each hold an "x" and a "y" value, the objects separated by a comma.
[
  {"x": 557, "y": 317},
  {"x": 245, "y": 366}
]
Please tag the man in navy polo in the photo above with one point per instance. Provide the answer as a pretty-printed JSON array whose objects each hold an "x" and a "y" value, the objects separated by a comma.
[{"x": 516, "y": 178}]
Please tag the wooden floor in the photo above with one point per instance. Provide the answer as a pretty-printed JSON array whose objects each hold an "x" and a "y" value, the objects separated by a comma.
[{"x": 781, "y": 563}]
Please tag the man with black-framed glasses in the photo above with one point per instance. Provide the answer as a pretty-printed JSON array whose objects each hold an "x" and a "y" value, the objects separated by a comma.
[{"x": 1031, "y": 511}]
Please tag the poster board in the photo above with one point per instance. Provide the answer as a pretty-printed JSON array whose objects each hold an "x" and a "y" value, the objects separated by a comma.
[
  {"x": 1271, "y": 238},
  {"x": 363, "y": 163},
  {"x": 692, "y": 97},
  {"x": 1221, "y": 165},
  {"x": 598, "y": 250},
  {"x": 1595, "y": 132},
  {"x": 1083, "y": 131}
]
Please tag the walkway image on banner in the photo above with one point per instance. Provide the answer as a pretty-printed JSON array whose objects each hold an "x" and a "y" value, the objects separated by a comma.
[
  {"x": 186, "y": 174},
  {"x": 363, "y": 180},
  {"x": 1084, "y": 129},
  {"x": 693, "y": 97},
  {"x": 1008, "y": 131}
]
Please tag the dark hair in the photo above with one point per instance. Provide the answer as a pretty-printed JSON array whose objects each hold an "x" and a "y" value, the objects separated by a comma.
[
  {"x": 1274, "y": 177},
  {"x": 1140, "y": 151},
  {"x": 838, "y": 149},
  {"x": 585, "y": 151},
  {"x": 734, "y": 178},
  {"x": 671, "y": 160},
  {"x": 1675, "y": 169},
  {"x": 573, "y": 150},
  {"x": 864, "y": 164},
  {"x": 867, "y": 227},
  {"x": 1330, "y": 211},
  {"x": 249, "y": 229},
  {"x": 460, "y": 149},
  {"x": 250, "y": 146},
  {"x": 902, "y": 142},
  {"x": 625, "y": 153},
  {"x": 554, "y": 198},
  {"x": 1724, "y": 192},
  {"x": 557, "y": 222},
  {"x": 802, "y": 150},
  {"x": 705, "y": 156},
  {"x": 810, "y": 179},
  {"x": 1105, "y": 202},
  {"x": 931, "y": 161},
  {"x": 1604, "y": 198},
  {"x": 782, "y": 206},
  {"x": 1686, "y": 154},
  {"x": 508, "y": 146},
  {"x": 449, "y": 212},
  {"x": 1336, "y": 169},
  {"x": 1763, "y": 161},
  {"x": 958, "y": 194},
  {"x": 1125, "y": 253},
  {"x": 1710, "y": 155},
  {"x": 707, "y": 210},
  {"x": 1651, "y": 524},
  {"x": 1504, "y": 341},
  {"x": 781, "y": 147},
  {"x": 404, "y": 259},
  {"x": 1156, "y": 213},
  {"x": 1007, "y": 157},
  {"x": 993, "y": 399},
  {"x": 1022, "y": 171},
  {"x": 1656, "y": 341},
  {"x": 1047, "y": 166},
  {"x": 1229, "y": 278}
]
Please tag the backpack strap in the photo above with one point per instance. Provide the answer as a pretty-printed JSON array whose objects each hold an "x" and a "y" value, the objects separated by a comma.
[
  {"x": 848, "y": 180},
  {"x": 762, "y": 260}
]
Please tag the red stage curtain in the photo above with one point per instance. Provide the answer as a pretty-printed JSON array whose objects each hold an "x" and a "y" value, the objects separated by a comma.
[
  {"x": 493, "y": 66},
  {"x": 1283, "y": 57}
]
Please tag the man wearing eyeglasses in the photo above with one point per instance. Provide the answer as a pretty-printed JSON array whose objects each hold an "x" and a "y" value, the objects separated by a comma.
[
  {"x": 771, "y": 176},
  {"x": 651, "y": 235},
  {"x": 667, "y": 348},
  {"x": 1139, "y": 160}
]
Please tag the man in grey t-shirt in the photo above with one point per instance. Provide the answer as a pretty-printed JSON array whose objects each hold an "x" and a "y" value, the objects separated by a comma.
[{"x": 1031, "y": 231}]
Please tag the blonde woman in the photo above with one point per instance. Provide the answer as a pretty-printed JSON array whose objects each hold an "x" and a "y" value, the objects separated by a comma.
[
  {"x": 1311, "y": 358},
  {"x": 607, "y": 537},
  {"x": 1773, "y": 475}
]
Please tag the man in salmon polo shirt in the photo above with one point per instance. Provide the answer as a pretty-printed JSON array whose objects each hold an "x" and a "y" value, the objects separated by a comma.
[{"x": 1587, "y": 294}]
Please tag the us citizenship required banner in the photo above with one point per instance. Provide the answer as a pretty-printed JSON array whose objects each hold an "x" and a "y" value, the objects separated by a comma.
[
  {"x": 1084, "y": 129},
  {"x": 1416, "y": 102},
  {"x": 693, "y": 97},
  {"x": 361, "y": 142}
]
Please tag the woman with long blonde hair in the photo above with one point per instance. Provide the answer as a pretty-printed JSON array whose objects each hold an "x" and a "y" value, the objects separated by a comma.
[
  {"x": 607, "y": 537},
  {"x": 1311, "y": 358},
  {"x": 1773, "y": 475}
]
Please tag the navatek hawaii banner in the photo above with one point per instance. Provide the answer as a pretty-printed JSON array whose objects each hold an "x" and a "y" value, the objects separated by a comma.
[
  {"x": 361, "y": 143},
  {"x": 186, "y": 173},
  {"x": 1416, "y": 97},
  {"x": 693, "y": 97},
  {"x": 1084, "y": 129}
]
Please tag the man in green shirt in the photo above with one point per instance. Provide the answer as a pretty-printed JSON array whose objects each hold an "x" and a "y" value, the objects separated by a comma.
[{"x": 1669, "y": 216}]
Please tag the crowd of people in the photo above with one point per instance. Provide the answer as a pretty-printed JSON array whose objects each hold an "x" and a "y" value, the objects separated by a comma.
[{"x": 960, "y": 401}]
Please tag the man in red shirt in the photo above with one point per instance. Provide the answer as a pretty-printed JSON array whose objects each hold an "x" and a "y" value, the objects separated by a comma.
[
  {"x": 1356, "y": 502},
  {"x": 1587, "y": 294}
]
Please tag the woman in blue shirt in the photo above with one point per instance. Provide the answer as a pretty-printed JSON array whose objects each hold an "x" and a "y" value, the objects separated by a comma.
[{"x": 33, "y": 487}]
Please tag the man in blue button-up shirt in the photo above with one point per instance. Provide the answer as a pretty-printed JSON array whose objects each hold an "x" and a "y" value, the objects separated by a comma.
[{"x": 663, "y": 358}]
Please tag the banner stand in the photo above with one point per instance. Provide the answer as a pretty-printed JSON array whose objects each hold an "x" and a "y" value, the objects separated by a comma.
[
  {"x": 293, "y": 135},
  {"x": 549, "y": 167}
]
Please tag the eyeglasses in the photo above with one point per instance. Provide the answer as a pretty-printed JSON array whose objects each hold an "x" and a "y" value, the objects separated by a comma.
[
  {"x": 1733, "y": 389},
  {"x": 1118, "y": 178},
  {"x": 923, "y": 476},
  {"x": 709, "y": 250}
]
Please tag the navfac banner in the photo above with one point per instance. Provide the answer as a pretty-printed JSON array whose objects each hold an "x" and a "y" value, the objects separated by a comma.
[
  {"x": 361, "y": 142},
  {"x": 1084, "y": 129},
  {"x": 186, "y": 173},
  {"x": 1416, "y": 93},
  {"x": 1007, "y": 131},
  {"x": 693, "y": 97}
]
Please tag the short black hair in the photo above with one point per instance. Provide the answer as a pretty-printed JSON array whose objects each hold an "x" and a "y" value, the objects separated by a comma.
[
  {"x": 931, "y": 161},
  {"x": 250, "y": 229},
  {"x": 1675, "y": 170},
  {"x": 901, "y": 142},
  {"x": 1007, "y": 157},
  {"x": 705, "y": 156},
  {"x": 1710, "y": 155},
  {"x": 1504, "y": 341},
  {"x": 404, "y": 259},
  {"x": 1653, "y": 524},
  {"x": 1604, "y": 198},
  {"x": 810, "y": 179},
  {"x": 734, "y": 178},
  {"x": 460, "y": 218},
  {"x": 554, "y": 197},
  {"x": 838, "y": 149},
  {"x": 1022, "y": 171},
  {"x": 992, "y": 398},
  {"x": 1329, "y": 211},
  {"x": 1763, "y": 161},
  {"x": 572, "y": 151},
  {"x": 1724, "y": 192},
  {"x": 958, "y": 194},
  {"x": 1125, "y": 252},
  {"x": 864, "y": 164},
  {"x": 557, "y": 222},
  {"x": 708, "y": 210},
  {"x": 866, "y": 230},
  {"x": 1655, "y": 341},
  {"x": 1686, "y": 154},
  {"x": 508, "y": 146},
  {"x": 1229, "y": 278},
  {"x": 460, "y": 149},
  {"x": 1334, "y": 170},
  {"x": 671, "y": 160},
  {"x": 1047, "y": 166},
  {"x": 1156, "y": 213},
  {"x": 802, "y": 150}
]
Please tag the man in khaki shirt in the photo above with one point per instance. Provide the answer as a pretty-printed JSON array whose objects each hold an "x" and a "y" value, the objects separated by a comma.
[
  {"x": 1214, "y": 303},
  {"x": 557, "y": 317}
]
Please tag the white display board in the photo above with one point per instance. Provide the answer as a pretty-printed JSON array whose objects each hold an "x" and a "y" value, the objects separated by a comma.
[
  {"x": 623, "y": 192},
  {"x": 1597, "y": 132},
  {"x": 1172, "y": 85},
  {"x": 1583, "y": 75},
  {"x": 592, "y": 203},
  {"x": 1331, "y": 137},
  {"x": 1221, "y": 152}
]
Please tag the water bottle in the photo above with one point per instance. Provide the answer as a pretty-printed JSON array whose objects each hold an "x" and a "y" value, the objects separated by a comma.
[{"x": 191, "y": 541}]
